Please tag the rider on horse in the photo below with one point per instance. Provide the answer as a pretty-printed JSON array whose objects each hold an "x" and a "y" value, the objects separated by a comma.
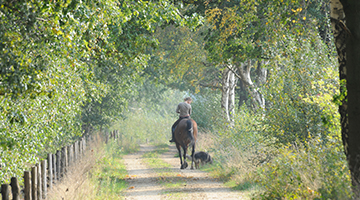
[{"x": 184, "y": 110}]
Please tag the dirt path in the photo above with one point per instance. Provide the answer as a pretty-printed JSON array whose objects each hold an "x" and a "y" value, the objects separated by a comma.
[{"x": 144, "y": 181}]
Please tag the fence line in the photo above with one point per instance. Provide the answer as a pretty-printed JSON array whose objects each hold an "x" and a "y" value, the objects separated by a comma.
[{"x": 49, "y": 171}]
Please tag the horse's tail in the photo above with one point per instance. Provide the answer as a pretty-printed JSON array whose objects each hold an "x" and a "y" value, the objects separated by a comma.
[{"x": 190, "y": 131}]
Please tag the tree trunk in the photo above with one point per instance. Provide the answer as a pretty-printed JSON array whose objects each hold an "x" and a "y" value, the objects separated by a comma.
[
  {"x": 257, "y": 99},
  {"x": 352, "y": 29},
  {"x": 345, "y": 23},
  {"x": 228, "y": 94},
  {"x": 225, "y": 93},
  {"x": 261, "y": 73},
  {"x": 231, "y": 104},
  {"x": 243, "y": 94}
]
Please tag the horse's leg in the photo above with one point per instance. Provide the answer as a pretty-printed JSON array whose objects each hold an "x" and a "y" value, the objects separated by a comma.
[
  {"x": 179, "y": 150},
  {"x": 185, "y": 163},
  {"x": 192, "y": 156}
]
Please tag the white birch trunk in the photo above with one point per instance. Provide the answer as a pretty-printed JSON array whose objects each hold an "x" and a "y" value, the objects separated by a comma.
[
  {"x": 257, "y": 99},
  {"x": 225, "y": 94},
  {"x": 231, "y": 104}
]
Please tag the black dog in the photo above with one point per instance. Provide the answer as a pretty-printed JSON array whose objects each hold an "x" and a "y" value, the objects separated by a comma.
[{"x": 202, "y": 157}]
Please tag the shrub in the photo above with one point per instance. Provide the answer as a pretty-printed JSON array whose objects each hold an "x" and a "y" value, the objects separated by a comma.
[{"x": 306, "y": 171}]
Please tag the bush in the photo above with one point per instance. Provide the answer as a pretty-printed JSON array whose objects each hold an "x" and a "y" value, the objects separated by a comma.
[
  {"x": 237, "y": 151},
  {"x": 311, "y": 170}
]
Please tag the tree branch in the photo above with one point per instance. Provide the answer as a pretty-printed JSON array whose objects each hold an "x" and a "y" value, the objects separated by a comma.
[{"x": 232, "y": 70}]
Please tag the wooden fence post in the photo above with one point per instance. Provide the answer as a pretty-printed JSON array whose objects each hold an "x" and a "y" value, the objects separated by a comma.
[
  {"x": 50, "y": 170},
  {"x": 75, "y": 152},
  {"x": 77, "y": 143},
  {"x": 80, "y": 148},
  {"x": 15, "y": 189},
  {"x": 27, "y": 186},
  {"x": 39, "y": 180},
  {"x": 54, "y": 167},
  {"x": 58, "y": 162},
  {"x": 69, "y": 152},
  {"x": 64, "y": 164},
  {"x": 72, "y": 153},
  {"x": 84, "y": 144},
  {"x": 43, "y": 179},
  {"x": 5, "y": 193},
  {"x": 33, "y": 183}
]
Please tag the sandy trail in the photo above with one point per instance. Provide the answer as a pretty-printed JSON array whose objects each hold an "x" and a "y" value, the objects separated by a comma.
[{"x": 197, "y": 184}]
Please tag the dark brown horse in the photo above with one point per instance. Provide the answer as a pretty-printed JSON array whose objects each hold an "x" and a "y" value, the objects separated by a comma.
[{"x": 185, "y": 135}]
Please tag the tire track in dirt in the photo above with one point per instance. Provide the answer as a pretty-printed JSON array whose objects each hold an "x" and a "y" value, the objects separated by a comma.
[{"x": 143, "y": 180}]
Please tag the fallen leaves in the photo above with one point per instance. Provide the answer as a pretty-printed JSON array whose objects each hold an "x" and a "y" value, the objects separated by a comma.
[{"x": 130, "y": 177}]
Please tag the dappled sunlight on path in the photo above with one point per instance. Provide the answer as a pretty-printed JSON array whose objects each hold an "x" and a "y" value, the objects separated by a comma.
[{"x": 194, "y": 184}]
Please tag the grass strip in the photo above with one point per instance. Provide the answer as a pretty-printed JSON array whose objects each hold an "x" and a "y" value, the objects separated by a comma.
[{"x": 110, "y": 174}]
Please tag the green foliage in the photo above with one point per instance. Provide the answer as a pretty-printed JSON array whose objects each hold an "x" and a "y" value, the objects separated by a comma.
[
  {"x": 248, "y": 159},
  {"x": 178, "y": 61},
  {"x": 239, "y": 149},
  {"x": 32, "y": 126},
  {"x": 67, "y": 64},
  {"x": 315, "y": 170},
  {"x": 299, "y": 103}
]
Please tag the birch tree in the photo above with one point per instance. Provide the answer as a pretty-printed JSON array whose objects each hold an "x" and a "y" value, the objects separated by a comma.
[
  {"x": 228, "y": 94},
  {"x": 257, "y": 99}
]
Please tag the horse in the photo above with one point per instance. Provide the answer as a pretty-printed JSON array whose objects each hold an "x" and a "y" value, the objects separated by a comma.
[{"x": 185, "y": 135}]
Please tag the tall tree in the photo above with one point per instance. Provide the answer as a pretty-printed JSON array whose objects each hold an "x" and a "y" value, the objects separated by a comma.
[
  {"x": 345, "y": 22},
  {"x": 228, "y": 93}
]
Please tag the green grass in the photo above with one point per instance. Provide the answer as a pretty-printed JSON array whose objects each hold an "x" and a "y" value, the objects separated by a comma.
[{"x": 110, "y": 174}]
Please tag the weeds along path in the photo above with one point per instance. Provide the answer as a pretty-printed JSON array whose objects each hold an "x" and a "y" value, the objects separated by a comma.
[{"x": 167, "y": 181}]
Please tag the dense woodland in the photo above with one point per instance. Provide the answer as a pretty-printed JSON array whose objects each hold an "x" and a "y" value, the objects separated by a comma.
[{"x": 269, "y": 79}]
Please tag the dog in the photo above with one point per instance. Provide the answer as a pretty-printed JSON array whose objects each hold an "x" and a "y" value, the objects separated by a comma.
[{"x": 202, "y": 157}]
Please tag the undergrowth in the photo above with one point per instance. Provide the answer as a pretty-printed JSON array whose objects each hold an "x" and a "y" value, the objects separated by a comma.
[
  {"x": 110, "y": 173},
  {"x": 306, "y": 171},
  {"x": 247, "y": 161},
  {"x": 100, "y": 174}
]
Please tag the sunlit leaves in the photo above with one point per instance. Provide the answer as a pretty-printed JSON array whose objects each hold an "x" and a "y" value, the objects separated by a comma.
[
  {"x": 59, "y": 57},
  {"x": 300, "y": 101}
]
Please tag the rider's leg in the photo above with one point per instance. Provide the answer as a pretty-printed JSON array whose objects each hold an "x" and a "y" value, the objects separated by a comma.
[{"x": 173, "y": 129}]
